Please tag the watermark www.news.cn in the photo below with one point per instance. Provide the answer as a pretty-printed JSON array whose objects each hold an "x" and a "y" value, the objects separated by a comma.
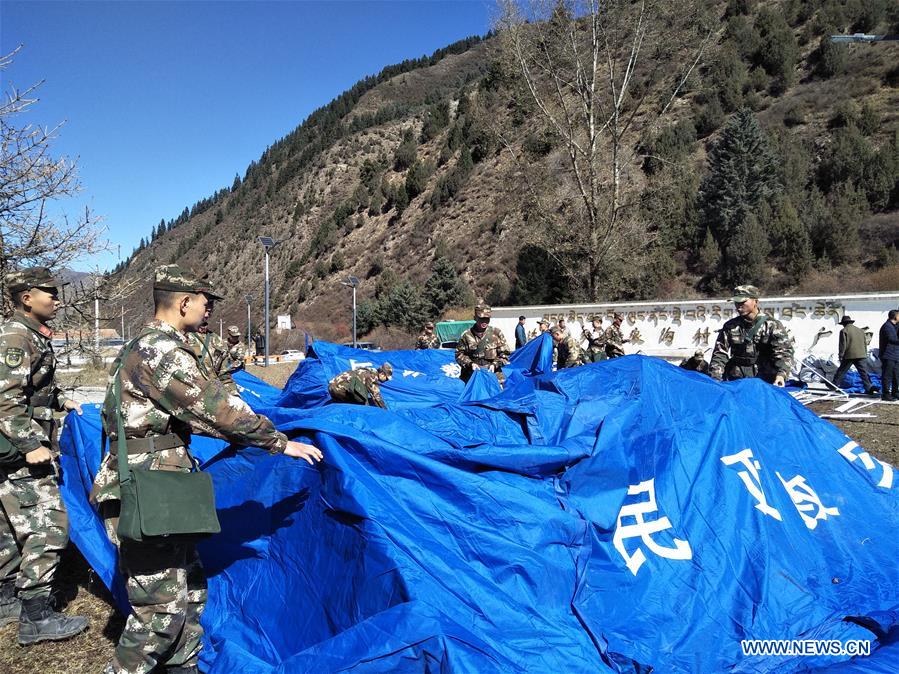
[{"x": 805, "y": 647}]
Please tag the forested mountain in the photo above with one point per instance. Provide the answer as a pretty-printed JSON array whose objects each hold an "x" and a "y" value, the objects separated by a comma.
[{"x": 777, "y": 163}]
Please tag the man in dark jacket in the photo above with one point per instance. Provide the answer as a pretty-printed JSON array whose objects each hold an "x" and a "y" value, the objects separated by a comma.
[
  {"x": 889, "y": 358},
  {"x": 853, "y": 350},
  {"x": 521, "y": 337}
]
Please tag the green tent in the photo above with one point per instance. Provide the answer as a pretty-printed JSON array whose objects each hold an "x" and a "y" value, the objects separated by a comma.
[{"x": 450, "y": 331}]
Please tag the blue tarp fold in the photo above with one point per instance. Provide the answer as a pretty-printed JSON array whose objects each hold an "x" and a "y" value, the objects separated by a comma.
[{"x": 613, "y": 517}]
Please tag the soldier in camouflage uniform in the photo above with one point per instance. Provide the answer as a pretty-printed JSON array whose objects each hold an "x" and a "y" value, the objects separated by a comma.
[
  {"x": 482, "y": 346},
  {"x": 596, "y": 340},
  {"x": 212, "y": 355},
  {"x": 569, "y": 351},
  {"x": 696, "y": 362},
  {"x": 237, "y": 351},
  {"x": 427, "y": 339},
  {"x": 752, "y": 344},
  {"x": 542, "y": 327},
  {"x": 33, "y": 521},
  {"x": 164, "y": 398},
  {"x": 615, "y": 338},
  {"x": 360, "y": 386}
]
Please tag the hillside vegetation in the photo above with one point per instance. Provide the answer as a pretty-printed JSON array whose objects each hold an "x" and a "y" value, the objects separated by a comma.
[{"x": 778, "y": 165}]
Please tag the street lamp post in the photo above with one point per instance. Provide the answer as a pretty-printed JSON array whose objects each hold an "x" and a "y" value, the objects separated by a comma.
[
  {"x": 267, "y": 243},
  {"x": 352, "y": 282},
  {"x": 248, "y": 298}
]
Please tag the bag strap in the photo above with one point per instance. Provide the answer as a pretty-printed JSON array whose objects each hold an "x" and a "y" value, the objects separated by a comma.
[
  {"x": 121, "y": 441},
  {"x": 754, "y": 330}
]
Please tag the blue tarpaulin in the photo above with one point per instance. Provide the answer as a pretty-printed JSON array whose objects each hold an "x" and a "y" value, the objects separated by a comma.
[{"x": 614, "y": 517}]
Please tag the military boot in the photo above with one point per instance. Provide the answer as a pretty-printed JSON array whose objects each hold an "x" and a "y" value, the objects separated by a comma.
[
  {"x": 39, "y": 622},
  {"x": 9, "y": 604}
]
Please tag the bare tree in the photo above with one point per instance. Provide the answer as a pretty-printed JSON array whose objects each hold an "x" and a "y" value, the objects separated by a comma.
[
  {"x": 32, "y": 181},
  {"x": 601, "y": 77}
]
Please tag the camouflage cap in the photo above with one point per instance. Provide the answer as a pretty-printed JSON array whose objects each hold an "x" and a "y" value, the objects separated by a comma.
[
  {"x": 387, "y": 369},
  {"x": 35, "y": 277},
  {"x": 743, "y": 293},
  {"x": 174, "y": 278},
  {"x": 699, "y": 352},
  {"x": 482, "y": 311},
  {"x": 233, "y": 331},
  {"x": 557, "y": 331},
  {"x": 596, "y": 318},
  {"x": 544, "y": 322}
]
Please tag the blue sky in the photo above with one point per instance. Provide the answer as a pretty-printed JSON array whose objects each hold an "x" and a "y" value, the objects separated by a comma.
[{"x": 165, "y": 101}]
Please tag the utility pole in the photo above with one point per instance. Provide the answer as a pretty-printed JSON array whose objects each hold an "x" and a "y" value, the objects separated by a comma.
[{"x": 267, "y": 243}]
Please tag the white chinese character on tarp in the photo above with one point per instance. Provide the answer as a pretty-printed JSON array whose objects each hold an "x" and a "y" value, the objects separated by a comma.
[
  {"x": 806, "y": 501},
  {"x": 751, "y": 479},
  {"x": 411, "y": 373},
  {"x": 644, "y": 530},
  {"x": 358, "y": 365},
  {"x": 869, "y": 462},
  {"x": 452, "y": 370}
]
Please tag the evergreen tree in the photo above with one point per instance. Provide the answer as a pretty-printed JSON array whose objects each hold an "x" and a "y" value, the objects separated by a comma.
[
  {"x": 403, "y": 306},
  {"x": 790, "y": 238},
  {"x": 743, "y": 173},
  {"x": 709, "y": 256},
  {"x": 443, "y": 288},
  {"x": 837, "y": 234},
  {"x": 405, "y": 155},
  {"x": 538, "y": 280},
  {"x": 417, "y": 178},
  {"x": 746, "y": 256}
]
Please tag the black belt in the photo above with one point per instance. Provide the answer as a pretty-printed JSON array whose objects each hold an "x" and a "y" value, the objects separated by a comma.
[{"x": 157, "y": 443}]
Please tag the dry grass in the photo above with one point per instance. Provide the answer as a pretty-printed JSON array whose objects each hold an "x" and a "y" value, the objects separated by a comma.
[
  {"x": 86, "y": 653},
  {"x": 275, "y": 374}
]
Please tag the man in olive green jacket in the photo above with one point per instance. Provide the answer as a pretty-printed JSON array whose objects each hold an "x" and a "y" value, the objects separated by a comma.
[{"x": 853, "y": 350}]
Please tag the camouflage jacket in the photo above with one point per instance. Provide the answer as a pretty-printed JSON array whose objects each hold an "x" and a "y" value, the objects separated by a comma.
[
  {"x": 27, "y": 369},
  {"x": 237, "y": 357},
  {"x": 596, "y": 339},
  {"x": 569, "y": 353},
  {"x": 212, "y": 358},
  {"x": 614, "y": 341},
  {"x": 769, "y": 353},
  {"x": 366, "y": 376},
  {"x": 211, "y": 350},
  {"x": 695, "y": 364},
  {"x": 427, "y": 340},
  {"x": 163, "y": 391},
  {"x": 490, "y": 349}
]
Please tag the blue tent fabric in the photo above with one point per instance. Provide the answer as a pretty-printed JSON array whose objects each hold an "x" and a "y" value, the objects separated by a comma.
[
  {"x": 535, "y": 357},
  {"x": 614, "y": 517}
]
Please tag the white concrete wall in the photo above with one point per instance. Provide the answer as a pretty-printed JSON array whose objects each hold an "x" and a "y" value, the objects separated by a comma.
[{"x": 674, "y": 329}]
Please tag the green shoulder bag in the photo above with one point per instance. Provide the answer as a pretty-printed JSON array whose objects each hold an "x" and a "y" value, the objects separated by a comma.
[{"x": 160, "y": 505}]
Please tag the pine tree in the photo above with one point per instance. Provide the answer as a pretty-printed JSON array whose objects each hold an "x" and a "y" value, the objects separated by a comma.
[
  {"x": 837, "y": 234},
  {"x": 790, "y": 238},
  {"x": 709, "y": 254},
  {"x": 443, "y": 288},
  {"x": 743, "y": 173},
  {"x": 747, "y": 254}
]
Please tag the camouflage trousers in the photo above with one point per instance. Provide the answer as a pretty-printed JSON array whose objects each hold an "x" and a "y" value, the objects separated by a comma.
[
  {"x": 34, "y": 528},
  {"x": 166, "y": 587}
]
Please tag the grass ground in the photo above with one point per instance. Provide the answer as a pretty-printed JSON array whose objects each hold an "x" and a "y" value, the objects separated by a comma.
[{"x": 84, "y": 594}]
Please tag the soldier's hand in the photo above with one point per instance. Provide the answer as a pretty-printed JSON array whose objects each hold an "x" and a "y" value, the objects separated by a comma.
[
  {"x": 38, "y": 456},
  {"x": 779, "y": 380},
  {"x": 70, "y": 405},
  {"x": 300, "y": 450}
]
